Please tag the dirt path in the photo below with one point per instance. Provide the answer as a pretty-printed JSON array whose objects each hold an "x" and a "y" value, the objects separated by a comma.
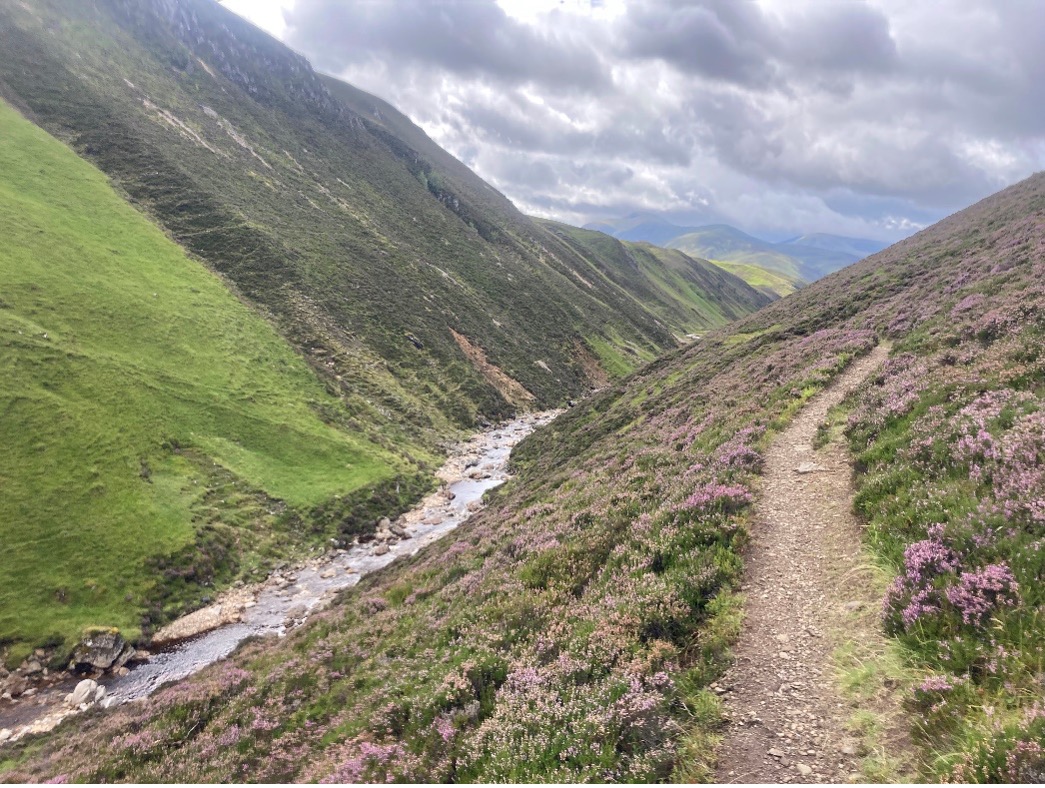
[{"x": 786, "y": 721}]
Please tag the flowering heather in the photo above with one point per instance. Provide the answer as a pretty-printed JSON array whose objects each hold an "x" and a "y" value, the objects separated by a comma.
[
  {"x": 950, "y": 439},
  {"x": 563, "y": 633}
]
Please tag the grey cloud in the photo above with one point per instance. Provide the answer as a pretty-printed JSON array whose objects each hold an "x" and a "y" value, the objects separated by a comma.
[
  {"x": 718, "y": 39},
  {"x": 838, "y": 37},
  {"x": 464, "y": 37},
  {"x": 854, "y": 117},
  {"x": 738, "y": 42}
]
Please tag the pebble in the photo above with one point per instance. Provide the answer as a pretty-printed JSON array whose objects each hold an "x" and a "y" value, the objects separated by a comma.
[
  {"x": 804, "y": 770},
  {"x": 775, "y": 753}
]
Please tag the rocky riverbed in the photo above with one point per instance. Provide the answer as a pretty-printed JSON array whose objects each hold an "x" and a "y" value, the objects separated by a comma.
[{"x": 285, "y": 600}]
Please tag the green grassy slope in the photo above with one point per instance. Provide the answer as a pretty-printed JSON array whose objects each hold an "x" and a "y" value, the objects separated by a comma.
[
  {"x": 758, "y": 263},
  {"x": 690, "y": 294},
  {"x": 128, "y": 371},
  {"x": 569, "y": 632},
  {"x": 764, "y": 280},
  {"x": 368, "y": 254}
]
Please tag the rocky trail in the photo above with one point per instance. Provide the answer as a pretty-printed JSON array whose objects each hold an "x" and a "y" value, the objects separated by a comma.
[{"x": 786, "y": 719}]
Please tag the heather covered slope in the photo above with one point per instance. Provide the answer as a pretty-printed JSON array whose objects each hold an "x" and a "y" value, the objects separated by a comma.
[
  {"x": 568, "y": 631},
  {"x": 406, "y": 280},
  {"x": 158, "y": 436}
]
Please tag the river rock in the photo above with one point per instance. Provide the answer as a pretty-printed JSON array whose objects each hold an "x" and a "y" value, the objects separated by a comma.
[
  {"x": 327, "y": 574},
  {"x": 297, "y": 613},
  {"x": 5, "y": 734},
  {"x": 228, "y": 611},
  {"x": 381, "y": 549},
  {"x": 16, "y": 685},
  {"x": 101, "y": 650},
  {"x": 384, "y": 524},
  {"x": 84, "y": 693}
]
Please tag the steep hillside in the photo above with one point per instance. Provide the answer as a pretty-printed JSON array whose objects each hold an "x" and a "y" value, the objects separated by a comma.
[
  {"x": 570, "y": 630},
  {"x": 680, "y": 290},
  {"x": 688, "y": 296},
  {"x": 158, "y": 436},
  {"x": 414, "y": 288}
]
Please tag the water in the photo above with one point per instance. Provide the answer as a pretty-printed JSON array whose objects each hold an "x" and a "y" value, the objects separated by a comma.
[
  {"x": 312, "y": 587},
  {"x": 288, "y": 596}
]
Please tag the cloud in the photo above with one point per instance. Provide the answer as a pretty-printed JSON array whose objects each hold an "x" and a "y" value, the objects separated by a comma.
[
  {"x": 468, "y": 38},
  {"x": 863, "y": 117}
]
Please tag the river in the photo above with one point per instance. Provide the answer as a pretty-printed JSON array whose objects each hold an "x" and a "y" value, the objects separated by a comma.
[{"x": 289, "y": 596}]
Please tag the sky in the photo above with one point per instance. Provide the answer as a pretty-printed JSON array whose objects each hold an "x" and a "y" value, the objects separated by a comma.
[{"x": 868, "y": 118}]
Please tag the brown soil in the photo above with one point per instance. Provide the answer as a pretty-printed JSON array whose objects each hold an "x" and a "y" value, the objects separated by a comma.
[
  {"x": 786, "y": 717},
  {"x": 509, "y": 388}
]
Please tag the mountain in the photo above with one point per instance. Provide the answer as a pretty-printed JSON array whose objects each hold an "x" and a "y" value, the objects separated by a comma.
[
  {"x": 375, "y": 253},
  {"x": 679, "y": 289},
  {"x": 597, "y": 595},
  {"x": 776, "y": 268},
  {"x": 388, "y": 298},
  {"x": 857, "y": 247}
]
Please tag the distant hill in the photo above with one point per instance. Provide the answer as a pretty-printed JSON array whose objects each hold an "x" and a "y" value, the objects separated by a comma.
[
  {"x": 681, "y": 290},
  {"x": 785, "y": 266}
]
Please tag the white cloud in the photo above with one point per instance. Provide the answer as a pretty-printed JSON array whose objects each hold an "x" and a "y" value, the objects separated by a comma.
[{"x": 867, "y": 118}]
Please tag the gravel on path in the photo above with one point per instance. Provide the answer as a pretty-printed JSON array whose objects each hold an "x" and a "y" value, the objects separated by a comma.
[{"x": 785, "y": 720}]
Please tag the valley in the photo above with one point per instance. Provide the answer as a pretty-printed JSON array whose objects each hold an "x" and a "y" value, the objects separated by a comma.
[
  {"x": 291, "y": 594},
  {"x": 320, "y": 461}
]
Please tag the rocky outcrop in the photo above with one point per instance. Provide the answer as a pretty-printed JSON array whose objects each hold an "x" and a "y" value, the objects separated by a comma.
[
  {"x": 101, "y": 649},
  {"x": 87, "y": 692}
]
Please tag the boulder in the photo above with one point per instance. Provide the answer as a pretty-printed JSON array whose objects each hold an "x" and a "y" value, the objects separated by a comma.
[
  {"x": 381, "y": 549},
  {"x": 5, "y": 734},
  {"x": 16, "y": 685},
  {"x": 84, "y": 693},
  {"x": 101, "y": 650}
]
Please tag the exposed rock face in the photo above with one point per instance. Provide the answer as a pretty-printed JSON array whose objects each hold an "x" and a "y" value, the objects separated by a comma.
[{"x": 101, "y": 650}]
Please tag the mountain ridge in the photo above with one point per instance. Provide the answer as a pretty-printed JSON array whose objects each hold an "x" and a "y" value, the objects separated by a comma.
[{"x": 785, "y": 265}]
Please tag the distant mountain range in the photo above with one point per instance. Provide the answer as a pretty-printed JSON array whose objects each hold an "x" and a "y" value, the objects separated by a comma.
[{"x": 779, "y": 268}]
